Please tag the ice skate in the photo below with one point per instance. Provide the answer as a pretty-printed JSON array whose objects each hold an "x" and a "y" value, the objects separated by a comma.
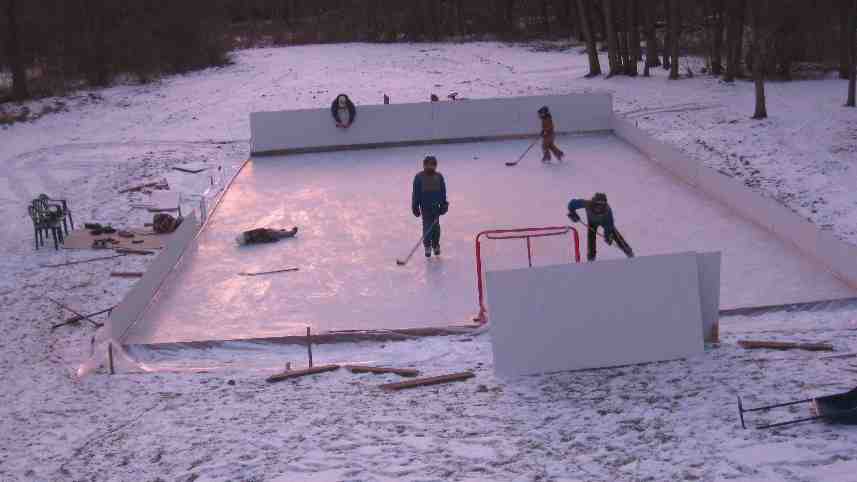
[
  {"x": 436, "y": 250},
  {"x": 428, "y": 252}
]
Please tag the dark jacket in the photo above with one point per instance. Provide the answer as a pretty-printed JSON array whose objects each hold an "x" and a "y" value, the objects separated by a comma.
[
  {"x": 352, "y": 111},
  {"x": 594, "y": 219},
  {"x": 429, "y": 195}
]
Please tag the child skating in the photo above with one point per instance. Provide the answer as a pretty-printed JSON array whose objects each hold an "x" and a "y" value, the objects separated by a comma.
[
  {"x": 598, "y": 213},
  {"x": 428, "y": 201},
  {"x": 548, "y": 136}
]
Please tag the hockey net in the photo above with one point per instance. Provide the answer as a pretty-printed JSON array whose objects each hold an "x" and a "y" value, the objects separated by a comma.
[{"x": 501, "y": 249}]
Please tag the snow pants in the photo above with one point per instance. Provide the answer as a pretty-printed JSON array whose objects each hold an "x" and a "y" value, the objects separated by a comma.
[
  {"x": 591, "y": 242},
  {"x": 549, "y": 146},
  {"x": 431, "y": 221}
]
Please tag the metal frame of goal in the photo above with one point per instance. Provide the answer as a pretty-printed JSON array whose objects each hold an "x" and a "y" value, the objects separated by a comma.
[{"x": 526, "y": 234}]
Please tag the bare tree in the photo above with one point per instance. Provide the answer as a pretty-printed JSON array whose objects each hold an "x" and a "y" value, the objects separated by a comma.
[
  {"x": 844, "y": 39},
  {"x": 734, "y": 28},
  {"x": 583, "y": 8},
  {"x": 675, "y": 29},
  {"x": 650, "y": 16},
  {"x": 20, "y": 90},
  {"x": 612, "y": 40},
  {"x": 852, "y": 55},
  {"x": 633, "y": 36},
  {"x": 717, "y": 36},
  {"x": 759, "y": 48}
]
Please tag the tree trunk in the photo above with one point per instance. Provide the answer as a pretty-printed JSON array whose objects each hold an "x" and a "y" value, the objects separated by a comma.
[
  {"x": 634, "y": 34},
  {"x": 650, "y": 16},
  {"x": 667, "y": 35},
  {"x": 741, "y": 13},
  {"x": 20, "y": 90},
  {"x": 734, "y": 26},
  {"x": 852, "y": 50},
  {"x": 612, "y": 41},
  {"x": 758, "y": 47},
  {"x": 717, "y": 37},
  {"x": 844, "y": 38},
  {"x": 545, "y": 17},
  {"x": 591, "y": 48},
  {"x": 674, "y": 36}
]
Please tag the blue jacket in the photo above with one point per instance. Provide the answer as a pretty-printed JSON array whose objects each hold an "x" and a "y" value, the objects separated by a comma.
[
  {"x": 429, "y": 194},
  {"x": 604, "y": 220}
]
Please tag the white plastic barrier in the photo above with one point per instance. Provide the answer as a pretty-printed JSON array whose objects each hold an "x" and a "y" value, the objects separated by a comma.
[
  {"x": 429, "y": 122},
  {"x": 708, "y": 265},
  {"x": 594, "y": 315},
  {"x": 138, "y": 298},
  {"x": 839, "y": 257}
]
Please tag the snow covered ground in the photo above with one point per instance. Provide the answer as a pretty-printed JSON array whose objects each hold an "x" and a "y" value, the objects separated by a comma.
[{"x": 669, "y": 421}]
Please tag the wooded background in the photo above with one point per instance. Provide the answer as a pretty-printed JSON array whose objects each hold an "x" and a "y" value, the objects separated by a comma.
[{"x": 49, "y": 46}]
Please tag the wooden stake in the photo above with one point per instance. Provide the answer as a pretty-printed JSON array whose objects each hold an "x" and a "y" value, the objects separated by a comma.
[
  {"x": 420, "y": 382},
  {"x": 110, "y": 358},
  {"x": 126, "y": 274},
  {"x": 300, "y": 373},
  {"x": 309, "y": 346},
  {"x": 785, "y": 345},
  {"x": 403, "y": 372}
]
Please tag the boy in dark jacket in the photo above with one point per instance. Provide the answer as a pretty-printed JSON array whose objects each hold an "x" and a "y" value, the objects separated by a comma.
[
  {"x": 548, "y": 136},
  {"x": 429, "y": 201},
  {"x": 343, "y": 111},
  {"x": 598, "y": 213}
]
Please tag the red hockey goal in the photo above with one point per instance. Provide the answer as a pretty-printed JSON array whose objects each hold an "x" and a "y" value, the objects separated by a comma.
[{"x": 527, "y": 236}]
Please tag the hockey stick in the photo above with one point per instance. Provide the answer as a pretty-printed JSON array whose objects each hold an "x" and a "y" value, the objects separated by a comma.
[
  {"x": 421, "y": 241},
  {"x": 284, "y": 270},
  {"x": 618, "y": 236},
  {"x": 515, "y": 163}
]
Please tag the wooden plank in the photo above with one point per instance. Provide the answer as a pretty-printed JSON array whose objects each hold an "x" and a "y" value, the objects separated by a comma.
[
  {"x": 126, "y": 274},
  {"x": 421, "y": 382},
  {"x": 403, "y": 372},
  {"x": 785, "y": 345},
  {"x": 300, "y": 373},
  {"x": 843, "y": 355}
]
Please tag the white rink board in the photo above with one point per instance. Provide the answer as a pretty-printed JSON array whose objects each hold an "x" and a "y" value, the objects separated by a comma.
[
  {"x": 594, "y": 315},
  {"x": 426, "y": 122},
  {"x": 709, "y": 294}
]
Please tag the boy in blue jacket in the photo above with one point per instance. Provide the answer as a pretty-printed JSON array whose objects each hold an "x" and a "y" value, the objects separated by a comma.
[
  {"x": 598, "y": 213},
  {"x": 429, "y": 201}
]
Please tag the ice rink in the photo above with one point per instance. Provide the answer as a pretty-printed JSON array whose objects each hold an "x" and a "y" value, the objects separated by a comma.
[{"x": 353, "y": 212}]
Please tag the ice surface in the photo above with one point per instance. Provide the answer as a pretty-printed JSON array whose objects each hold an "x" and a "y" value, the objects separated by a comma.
[{"x": 353, "y": 211}]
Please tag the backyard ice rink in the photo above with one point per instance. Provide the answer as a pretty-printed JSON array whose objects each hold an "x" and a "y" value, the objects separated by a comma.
[{"x": 353, "y": 212}]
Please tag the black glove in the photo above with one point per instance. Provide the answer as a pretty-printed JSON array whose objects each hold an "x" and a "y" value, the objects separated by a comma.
[
  {"x": 573, "y": 216},
  {"x": 444, "y": 208},
  {"x": 417, "y": 211}
]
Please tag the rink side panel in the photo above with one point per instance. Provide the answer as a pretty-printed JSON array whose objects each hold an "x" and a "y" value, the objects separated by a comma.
[
  {"x": 313, "y": 130},
  {"x": 838, "y": 257}
]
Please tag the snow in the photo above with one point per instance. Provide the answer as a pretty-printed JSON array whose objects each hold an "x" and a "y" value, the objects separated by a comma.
[{"x": 668, "y": 421}]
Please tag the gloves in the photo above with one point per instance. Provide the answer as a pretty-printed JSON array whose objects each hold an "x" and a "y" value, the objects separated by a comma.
[
  {"x": 417, "y": 212},
  {"x": 444, "y": 208},
  {"x": 573, "y": 216}
]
